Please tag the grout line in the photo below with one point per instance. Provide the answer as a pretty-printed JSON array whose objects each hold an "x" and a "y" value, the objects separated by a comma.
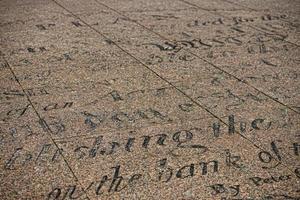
[
  {"x": 104, "y": 5},
  {"x": 242, "y": 6},
  {"x": 43, "y": 123},
  {"x": 252, "y": 9},
  {"x": 182, "y": 92},
  {"x": 214, "y": 67},
  {"x": 204, "y": 60},
  {"x": 218, "y": 14}
]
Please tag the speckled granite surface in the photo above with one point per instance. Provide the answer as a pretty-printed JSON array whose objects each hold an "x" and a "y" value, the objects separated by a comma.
[{"x": 161, "y": 99}]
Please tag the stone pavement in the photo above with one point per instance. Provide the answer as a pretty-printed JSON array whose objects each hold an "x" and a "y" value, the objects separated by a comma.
[{"x": 160, "y": 99}]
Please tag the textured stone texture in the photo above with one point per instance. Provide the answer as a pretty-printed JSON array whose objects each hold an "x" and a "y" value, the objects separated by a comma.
[{"x": 161, "y": 99}]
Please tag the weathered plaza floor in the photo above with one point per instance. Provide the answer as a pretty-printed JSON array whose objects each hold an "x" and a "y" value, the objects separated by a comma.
[{"x": 150, "y": 100}]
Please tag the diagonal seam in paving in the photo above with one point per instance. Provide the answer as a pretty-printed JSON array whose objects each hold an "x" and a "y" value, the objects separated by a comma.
[
  {"x": 153, "y": 71},
  {"x": 252, "y": 9},
  {"x": 204, "y": 60},
  {"x": 218, "y": 14},
  {"x": 44, "y": 124},
  {"x": 203, "y": 107}
]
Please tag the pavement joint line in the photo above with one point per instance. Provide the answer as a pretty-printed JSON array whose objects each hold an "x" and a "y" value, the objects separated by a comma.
[
  {"x": 201, "y": 106},
  {"x": 252, "y": 9},
  {"x": 47, "y": 128},
  {"x": 218, "y": 14},
  {"x": 132, "y": 56},
  {"x": 204, "y": 60}
]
